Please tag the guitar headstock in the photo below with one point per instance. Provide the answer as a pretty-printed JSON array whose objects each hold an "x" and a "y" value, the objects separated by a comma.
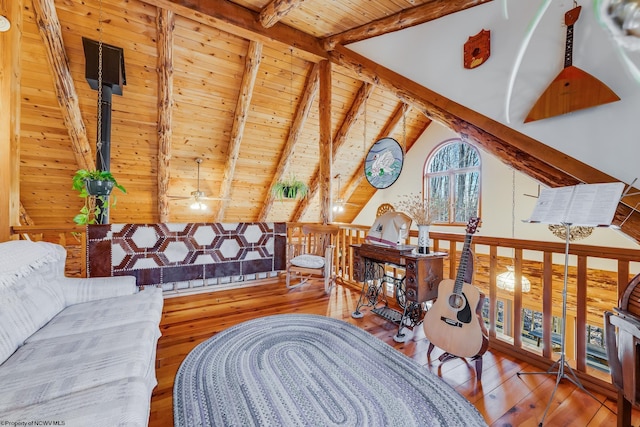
[
  {"x": 571, "y": 16},
  {"x": 472, "y": 225}
]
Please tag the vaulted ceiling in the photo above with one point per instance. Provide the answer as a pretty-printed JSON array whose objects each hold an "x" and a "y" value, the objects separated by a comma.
[{"x": 243, "y": 86}]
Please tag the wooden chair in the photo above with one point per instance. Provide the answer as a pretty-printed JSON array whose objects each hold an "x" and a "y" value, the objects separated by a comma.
[
  {"x": 384, "y": 208},
  {"x": 622, "y": 335},
  {"x": 312, "y": 256}
]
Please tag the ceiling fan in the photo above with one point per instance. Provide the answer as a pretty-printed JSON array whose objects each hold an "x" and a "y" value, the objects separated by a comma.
[
  {"x": 340, "y": 203},
  {"x": 197, "y": 195}
]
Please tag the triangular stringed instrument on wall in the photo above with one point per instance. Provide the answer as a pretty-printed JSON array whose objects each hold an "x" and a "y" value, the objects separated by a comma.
[{"x": 573, "y": 89}]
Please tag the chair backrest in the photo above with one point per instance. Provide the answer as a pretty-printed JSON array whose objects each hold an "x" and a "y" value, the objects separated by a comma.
[{"x": 318, "y": 237}]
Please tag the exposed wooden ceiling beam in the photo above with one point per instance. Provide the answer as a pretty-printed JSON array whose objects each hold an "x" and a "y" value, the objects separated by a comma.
[
  {"x": 165, "y": 23},
  {"x": 357, "y": 107},
  {"x": 521, "y": 152},
  {"x": 244, "y": 23},
  {"x": 51, "y": 33},
  {"x": 302, "y": 112},
  {"x": 404, "y": 19},
  {"x": 275, "y": 10},
  {"x": 251, "y": 65}
]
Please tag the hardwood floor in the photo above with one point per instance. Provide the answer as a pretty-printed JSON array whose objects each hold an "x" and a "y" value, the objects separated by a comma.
[{"x": 502, "y": 397}]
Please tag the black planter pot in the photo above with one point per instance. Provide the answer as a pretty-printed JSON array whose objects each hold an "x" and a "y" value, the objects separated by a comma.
[
  {"x": 290, "y": 193},
  {"x": 99, "y": 188}
]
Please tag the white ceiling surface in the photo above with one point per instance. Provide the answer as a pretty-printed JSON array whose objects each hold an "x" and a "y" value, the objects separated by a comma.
[{"x": 604, "y": 137}]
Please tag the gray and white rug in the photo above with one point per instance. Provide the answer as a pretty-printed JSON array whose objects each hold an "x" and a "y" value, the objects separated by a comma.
[{"x": 309, "y": 370}]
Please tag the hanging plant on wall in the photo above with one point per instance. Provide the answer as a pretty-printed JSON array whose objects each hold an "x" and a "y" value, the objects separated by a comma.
[
  {"x": 290, "y": 188},
  {"x": 94, "y": 185}
]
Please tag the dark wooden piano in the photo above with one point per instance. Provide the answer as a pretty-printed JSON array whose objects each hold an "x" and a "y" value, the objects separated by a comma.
[{"x": 622, "y": 335}]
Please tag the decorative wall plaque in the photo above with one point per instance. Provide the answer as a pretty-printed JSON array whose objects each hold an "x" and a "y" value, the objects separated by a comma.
[{"x": 477, "y": 49}]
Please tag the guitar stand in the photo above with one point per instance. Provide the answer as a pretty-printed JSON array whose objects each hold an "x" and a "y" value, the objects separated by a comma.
[{"x": 448, "y": 356}]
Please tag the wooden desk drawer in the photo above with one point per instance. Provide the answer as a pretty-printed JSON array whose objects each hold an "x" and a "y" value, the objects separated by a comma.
[{"x": 422, "y": 278}]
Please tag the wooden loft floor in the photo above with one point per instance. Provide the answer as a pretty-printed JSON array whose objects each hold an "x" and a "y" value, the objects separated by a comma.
[{"x": 502, "y": 397}]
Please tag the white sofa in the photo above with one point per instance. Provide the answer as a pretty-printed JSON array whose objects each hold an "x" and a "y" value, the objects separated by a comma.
[{"x": 73, "y": 352}]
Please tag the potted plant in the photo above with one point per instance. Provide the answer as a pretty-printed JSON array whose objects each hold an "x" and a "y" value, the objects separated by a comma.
[
  {"x": 94, "y": 185},
  {"x": 290, "y": 188}
]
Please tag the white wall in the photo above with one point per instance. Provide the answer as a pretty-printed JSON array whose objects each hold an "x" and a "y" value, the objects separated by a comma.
[
  {"x": 605, "y": 137},
  {"x": 497, "y": 190}
]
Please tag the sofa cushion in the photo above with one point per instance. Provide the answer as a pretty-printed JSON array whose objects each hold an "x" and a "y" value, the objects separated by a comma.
[
  {"x": 123, "y": 403},
  {"x": 47, "y": 369},
  {"x": 94, "y": 316},
  {"x": 30, "y": 294}
]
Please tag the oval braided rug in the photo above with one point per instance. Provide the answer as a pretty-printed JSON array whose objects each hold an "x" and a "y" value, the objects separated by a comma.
[{"x": 309, "y": 370}]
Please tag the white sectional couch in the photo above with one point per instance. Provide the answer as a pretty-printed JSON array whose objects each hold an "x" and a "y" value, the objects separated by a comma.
[{"x": 73, "y": 352}]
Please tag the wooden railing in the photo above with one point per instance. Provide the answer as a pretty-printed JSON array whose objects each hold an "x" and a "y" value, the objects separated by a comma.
[
  {"x": 72, "y": 237},
  {"x": 596, "y": 277},
  {"x": 592, "y": 289}
]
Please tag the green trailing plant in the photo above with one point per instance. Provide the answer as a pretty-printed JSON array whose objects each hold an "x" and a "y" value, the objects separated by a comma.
[
  {"x": 290, "y": 188},
  {"x": 91, "y": 209}
]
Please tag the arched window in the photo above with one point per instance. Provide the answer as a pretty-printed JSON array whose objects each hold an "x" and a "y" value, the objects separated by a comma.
[{"x": 452, "y": 182}]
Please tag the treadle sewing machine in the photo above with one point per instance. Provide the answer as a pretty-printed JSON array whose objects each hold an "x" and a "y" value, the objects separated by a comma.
[{"x": 419, "y": 284}]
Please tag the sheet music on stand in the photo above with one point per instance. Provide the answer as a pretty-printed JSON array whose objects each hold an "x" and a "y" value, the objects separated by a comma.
[{"x": 592, "y": 205}]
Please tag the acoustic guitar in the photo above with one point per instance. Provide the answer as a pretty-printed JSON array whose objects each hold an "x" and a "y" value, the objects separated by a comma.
[{"x": 452, "y": 323}]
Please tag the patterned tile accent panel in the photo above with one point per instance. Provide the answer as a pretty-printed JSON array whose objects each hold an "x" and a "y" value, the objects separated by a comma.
[{"x": 168, "y": 254}]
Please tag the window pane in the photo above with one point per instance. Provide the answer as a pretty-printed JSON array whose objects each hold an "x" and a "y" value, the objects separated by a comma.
[
  {"x": 454, "y": 156},
  {"x": 439, "y": 196},
  {"x": 466, "y": 196},
  {"x": 452, "y": 181}
]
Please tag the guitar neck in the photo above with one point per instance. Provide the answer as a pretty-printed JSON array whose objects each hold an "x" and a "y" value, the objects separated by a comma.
[
  {"x": 462, "y": 268},
  {"x": 568, "y": 49}
]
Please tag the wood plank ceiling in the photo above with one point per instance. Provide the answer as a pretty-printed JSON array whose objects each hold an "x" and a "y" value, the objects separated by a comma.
[{"x": 238, "y": 85}]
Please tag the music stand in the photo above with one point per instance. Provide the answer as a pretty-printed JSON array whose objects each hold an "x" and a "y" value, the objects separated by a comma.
[{"x": 589, "y": 205}]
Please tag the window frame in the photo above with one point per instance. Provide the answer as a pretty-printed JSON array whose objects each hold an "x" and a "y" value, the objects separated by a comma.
[{"x": 451, "y": 174}]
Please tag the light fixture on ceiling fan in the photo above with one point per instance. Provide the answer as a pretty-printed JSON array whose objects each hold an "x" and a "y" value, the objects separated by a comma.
[
  {"x": 622, "y": 19},
  {"x": 5, "y": 24},
  {"x": 338, "y": 206},
  {"x": 626, "y": 15},
  {"x": 507, "y": 279},
  {"x": 198, "y": 196}
]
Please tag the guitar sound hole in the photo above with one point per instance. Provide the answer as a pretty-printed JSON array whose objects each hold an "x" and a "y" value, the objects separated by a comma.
[{"x": 456, "y": 301}]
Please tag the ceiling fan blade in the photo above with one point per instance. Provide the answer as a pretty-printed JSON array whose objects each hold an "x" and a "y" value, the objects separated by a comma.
[
  {"x": 179, "y": 197},
  {"x": 214, "y": 198}
]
